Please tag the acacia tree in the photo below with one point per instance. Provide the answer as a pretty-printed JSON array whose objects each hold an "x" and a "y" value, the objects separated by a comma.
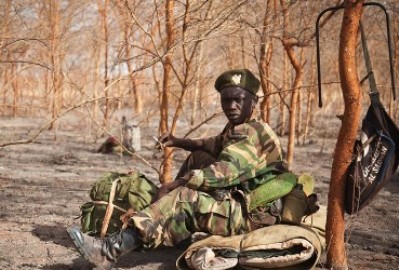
[
  {"x": 289, "y": 45},
  {"x": 336, "y": 254},
  {"x": 5, "y": 25},
  {"x": 309, "y": 101},
  {"x": 55, "y": 57},
  {"x": 103, "y": 12},
  {"x": 128, "y": 31},
  {"x": 166, "y": 175},
  {"x": 265, "y": 58},
  {"x": 282, "y": 95}
]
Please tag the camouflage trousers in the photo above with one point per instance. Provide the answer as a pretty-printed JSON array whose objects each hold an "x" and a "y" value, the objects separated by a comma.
[{"x": 184, "y": 211}]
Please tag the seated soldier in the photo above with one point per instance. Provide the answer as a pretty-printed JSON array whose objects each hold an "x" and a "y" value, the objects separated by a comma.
[{"x": 208, "y": 194}]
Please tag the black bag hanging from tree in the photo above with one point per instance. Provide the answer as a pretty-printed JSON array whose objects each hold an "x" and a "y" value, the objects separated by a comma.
[{"x": 376, "y": 152}]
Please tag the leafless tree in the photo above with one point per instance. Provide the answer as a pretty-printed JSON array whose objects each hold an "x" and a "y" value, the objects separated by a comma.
[{"x": 336, "y": 254}]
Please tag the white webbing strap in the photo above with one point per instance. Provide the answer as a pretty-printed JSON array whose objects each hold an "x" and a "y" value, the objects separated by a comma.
[{"x": 110, "y": 209}]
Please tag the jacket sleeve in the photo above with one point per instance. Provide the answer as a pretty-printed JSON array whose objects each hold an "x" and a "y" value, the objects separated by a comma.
[
  {"x": 238, "y": 162},
  {"x": 211, "y": 145}
]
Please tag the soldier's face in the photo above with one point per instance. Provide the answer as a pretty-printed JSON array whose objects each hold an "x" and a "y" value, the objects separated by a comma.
[{"x": 237, "y": 104}]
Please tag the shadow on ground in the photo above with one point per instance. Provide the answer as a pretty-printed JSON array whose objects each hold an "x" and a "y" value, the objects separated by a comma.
[{"x": 56, "y": 234}]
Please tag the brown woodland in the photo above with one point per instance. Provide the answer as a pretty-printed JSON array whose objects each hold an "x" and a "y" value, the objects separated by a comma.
[{"x": 156, "y": 61}]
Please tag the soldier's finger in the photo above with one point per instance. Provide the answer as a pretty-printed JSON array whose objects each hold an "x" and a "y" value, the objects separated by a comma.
[
  {"x": 158, "y": 145},
  {"x": 164, "y": 137}
]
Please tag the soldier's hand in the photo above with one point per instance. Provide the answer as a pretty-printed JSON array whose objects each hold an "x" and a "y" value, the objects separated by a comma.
[
  {"x": 126, "y": 216},
  {"x": 166, "y": 188},
  {"x": 165, "y": 140},
  {"x": 162, "y": 191}
]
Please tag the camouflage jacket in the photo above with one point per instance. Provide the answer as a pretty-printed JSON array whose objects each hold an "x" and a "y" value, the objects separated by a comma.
[{"x": 244, "y": 155}]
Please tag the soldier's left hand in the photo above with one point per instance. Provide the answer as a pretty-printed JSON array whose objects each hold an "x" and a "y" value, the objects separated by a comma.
[
  {"x": 162, "y": 191},
  {"x": 166, "y": 188}
]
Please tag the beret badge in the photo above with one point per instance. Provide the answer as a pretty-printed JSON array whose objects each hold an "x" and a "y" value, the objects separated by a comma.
[{"x": 236, "y": 78}]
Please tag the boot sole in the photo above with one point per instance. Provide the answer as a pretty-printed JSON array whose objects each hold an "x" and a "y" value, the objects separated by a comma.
[{"x": 81, "y": 250}]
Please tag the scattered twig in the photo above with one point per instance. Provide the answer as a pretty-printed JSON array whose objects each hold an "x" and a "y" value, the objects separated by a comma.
[
  {"x": 202, "y": 123},
  {"x": 46, "y": 126}
]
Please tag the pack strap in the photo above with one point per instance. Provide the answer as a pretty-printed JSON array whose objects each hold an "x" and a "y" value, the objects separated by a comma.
[
  {"x": 110, "y": 208},
  {"x": 106, "y": 203}
]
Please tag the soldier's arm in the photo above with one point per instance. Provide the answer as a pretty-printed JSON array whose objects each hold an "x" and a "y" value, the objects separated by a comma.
[
  {"x": 205, "y": 144},
  {"x": 228, "y": 171},
  {"x": 237, "y": 163}
]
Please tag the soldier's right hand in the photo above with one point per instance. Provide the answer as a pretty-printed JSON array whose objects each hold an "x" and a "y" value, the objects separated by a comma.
[
  {"x": 165, "y": 140},
  {"x": 126, "y": 216}
]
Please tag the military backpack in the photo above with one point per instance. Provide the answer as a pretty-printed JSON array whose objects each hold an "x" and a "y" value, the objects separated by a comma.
[{"x": 111, "y": 196}]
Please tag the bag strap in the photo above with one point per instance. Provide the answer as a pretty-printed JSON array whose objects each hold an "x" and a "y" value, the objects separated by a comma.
[
  {"x": 110, "y": 209},
  {"x": 374, "y": 94}
]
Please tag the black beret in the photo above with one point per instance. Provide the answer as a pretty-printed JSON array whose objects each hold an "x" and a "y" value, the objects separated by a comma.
[{"x": 242, "y": 78}]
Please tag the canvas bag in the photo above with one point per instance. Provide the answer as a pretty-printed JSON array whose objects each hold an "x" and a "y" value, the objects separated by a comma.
[
  {"x": 376, "y": 157},
  {"x": 112, "y": 195},
  {"x": 376, "y": 153}
]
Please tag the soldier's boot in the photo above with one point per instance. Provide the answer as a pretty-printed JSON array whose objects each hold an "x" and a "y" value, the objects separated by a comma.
[{"x": 104, "y": 253}]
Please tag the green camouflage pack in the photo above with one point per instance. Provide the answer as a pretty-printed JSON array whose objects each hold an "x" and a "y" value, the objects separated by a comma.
[{"x": 131, "y": 190}]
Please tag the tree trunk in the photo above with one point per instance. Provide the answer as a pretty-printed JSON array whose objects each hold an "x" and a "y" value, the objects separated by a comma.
[
  {"x": 307, "y": 117},
  {"x": 103, "y": 10},
  {"x": 243, "y": 54},
  {"x": 293, "y": 104},
  {"x": 137, "y": 107},
  {"x": 14, "y": 84},
  {"x": 188, "y": 64},
  {"x": 96, "y": 79},
  {"x": 166, "y": 174},
  {"x": 55, "y": 63},
  {"x": 4, "y": 82},
  {"x": 282, "y": 119},
  {"x": 197, "y": 85},
  {"x": 299, "y": 115},
  {"x": 264, "y": 61},
  {"x": 309, "y": 102},
  {"x": 336, "y": 254},
  {"x": 5, "y": 73},
  {"x": 288, "y": 46},
  {"x": 299, "y": 104},
  {"x": 127, "y": 30}
]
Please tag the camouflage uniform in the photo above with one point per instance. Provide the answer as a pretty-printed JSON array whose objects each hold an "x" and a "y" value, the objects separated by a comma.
[{"x": 208, "y": 203}]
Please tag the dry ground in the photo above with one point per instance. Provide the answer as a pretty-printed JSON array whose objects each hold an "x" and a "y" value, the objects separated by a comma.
[{"x": 43, "y": 183}]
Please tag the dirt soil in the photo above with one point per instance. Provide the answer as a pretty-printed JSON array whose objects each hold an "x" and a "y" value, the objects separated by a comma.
[{"x": 42, "y": 185}]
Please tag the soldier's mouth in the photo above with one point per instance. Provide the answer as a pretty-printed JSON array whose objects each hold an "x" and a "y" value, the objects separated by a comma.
[{"x": 233, "y": 116}]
